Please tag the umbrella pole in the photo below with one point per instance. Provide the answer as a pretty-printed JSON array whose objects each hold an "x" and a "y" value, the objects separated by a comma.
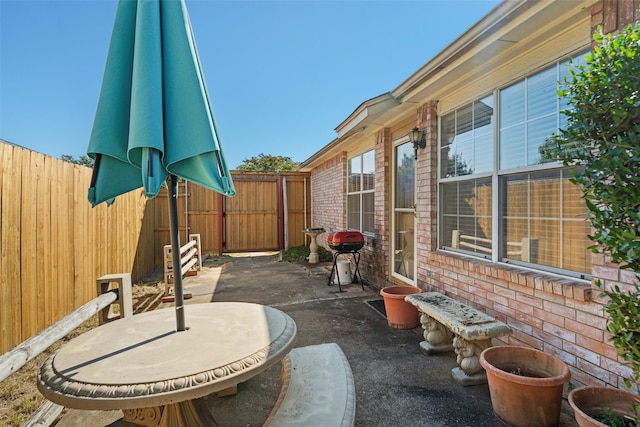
[{"x": 175, "y": 250}]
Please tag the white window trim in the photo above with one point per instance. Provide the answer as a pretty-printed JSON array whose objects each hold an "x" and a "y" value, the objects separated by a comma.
[
  {"x": 496, "y": 176},
  {"x": 360, "y": 192}
]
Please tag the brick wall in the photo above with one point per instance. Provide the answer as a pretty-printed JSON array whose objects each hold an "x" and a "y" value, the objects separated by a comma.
[
  {"x": 328, "y": 200},
  {"x": 554, "y": 314},
  {"x": 427, "y": 189},
  {"x": 329, "y": 207},
  {"x": 375, "y": 254},
  {"x": 614, "y": 15}
]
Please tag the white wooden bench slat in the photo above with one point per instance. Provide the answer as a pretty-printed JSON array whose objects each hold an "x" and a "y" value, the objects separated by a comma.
[
  {"x": 317, "y": 390},
  {"x": 190, "y": 254},
  {"x": 190, "y": 244},
  {"x": 188, "y": 265}
]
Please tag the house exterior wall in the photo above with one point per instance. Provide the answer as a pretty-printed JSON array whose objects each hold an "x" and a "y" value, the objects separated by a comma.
[
  {"x": 560, "y": 316},
  {"x": 427, "y": 191},
  {"x": 557, "y": 314},
  {"x": 375, "y": 254},
  {"x": 328, "y": 200}
]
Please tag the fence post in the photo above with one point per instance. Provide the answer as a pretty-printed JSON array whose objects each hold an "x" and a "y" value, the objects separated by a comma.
[{"x": 196, "y": 237}]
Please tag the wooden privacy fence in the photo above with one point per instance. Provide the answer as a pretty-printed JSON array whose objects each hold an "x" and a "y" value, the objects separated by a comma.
[{"x": 55, "y": 245}]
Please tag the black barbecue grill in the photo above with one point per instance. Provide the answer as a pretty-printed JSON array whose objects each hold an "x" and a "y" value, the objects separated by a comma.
[{"x": 346, "y": 242}]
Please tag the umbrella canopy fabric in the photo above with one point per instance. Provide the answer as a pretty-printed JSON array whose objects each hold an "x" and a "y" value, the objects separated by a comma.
[{"x": 154, "y": 116}]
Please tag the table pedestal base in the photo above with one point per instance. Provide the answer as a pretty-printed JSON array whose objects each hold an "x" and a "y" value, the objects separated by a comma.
[{"x": 190, "y": 413}]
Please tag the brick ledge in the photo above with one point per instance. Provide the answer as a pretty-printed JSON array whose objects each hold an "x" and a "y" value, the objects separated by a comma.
[{"x": 576, "y": 289}]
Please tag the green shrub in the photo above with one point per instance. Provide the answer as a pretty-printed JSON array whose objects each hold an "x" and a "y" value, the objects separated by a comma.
[
  {"x": 301, "y": 253},
  {"x": 602, "y": 142}
]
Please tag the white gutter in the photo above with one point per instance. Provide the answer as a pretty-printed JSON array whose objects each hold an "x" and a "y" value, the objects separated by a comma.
[{"x": 492, "y": 22}]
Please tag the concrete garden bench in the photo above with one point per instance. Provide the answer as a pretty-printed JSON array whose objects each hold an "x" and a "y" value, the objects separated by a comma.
[
  {"x": 451, "y": 325},
  {"x": 317, "y": 389}
]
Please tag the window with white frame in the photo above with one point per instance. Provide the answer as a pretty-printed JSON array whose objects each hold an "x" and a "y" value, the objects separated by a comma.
[
  {"x": 361, "y": 192},
  {"x": 501, "y": 197},
  {"x": 466, "y": 165}
]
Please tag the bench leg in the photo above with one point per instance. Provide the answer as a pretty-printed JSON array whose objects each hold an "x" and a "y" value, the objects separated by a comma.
[
  {"x": 469, "y": 372},
  {"x": 437, "y": 338},
  {"x": 122, "y": 282}
]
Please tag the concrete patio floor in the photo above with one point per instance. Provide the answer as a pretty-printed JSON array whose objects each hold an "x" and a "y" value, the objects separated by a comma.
[{"x": 396, "y": 385}]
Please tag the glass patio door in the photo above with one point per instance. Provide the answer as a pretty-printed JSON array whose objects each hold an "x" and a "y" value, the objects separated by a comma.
[{"x": 404, "y": 212}]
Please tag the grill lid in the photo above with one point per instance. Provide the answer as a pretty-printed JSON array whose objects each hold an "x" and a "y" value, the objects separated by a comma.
[
  {"x": 345, "y": 237},
  {"x": 346, "y": 240}
]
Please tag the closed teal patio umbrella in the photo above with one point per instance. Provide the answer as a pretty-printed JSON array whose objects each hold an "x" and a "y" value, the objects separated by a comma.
[{"x": 154, "y": 121}]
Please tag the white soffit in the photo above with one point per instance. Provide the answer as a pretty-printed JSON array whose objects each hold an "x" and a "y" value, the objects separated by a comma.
[
  {"x": 366, "y": 113},
  {"x": 509, "y": 31},
  {"x": 515, "y": 26}
]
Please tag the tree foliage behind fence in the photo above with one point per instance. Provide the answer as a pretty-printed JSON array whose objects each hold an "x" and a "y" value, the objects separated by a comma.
[{"x": 55, "y": 246}]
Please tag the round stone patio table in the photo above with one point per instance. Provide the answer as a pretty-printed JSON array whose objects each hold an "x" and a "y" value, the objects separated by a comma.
[{"x": 155, "y": 374}]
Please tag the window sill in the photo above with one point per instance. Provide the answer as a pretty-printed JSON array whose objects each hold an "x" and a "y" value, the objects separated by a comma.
[{"x": 569, "y": 287}]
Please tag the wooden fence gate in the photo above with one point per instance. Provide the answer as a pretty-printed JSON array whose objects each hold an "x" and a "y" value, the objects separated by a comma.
[
  {"x": 267, "y": 213},
  {"x": 251, "y": 216}
]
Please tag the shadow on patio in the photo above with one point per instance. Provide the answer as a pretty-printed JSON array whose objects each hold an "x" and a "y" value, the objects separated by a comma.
[{"x": 395, "y": 383}]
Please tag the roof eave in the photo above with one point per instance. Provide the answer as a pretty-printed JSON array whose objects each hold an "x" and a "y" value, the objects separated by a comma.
[
  {"x": 363, "y": 116},
  {"x": 366, "y": 111},
  {"x": 489, "y": 24}
]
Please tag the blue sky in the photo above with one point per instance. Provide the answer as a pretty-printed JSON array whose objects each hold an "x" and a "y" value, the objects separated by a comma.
[{"x": 281, "y": 74}]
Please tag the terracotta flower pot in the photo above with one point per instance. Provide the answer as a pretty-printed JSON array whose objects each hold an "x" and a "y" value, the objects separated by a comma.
[
  {"x": 525, "y": 385},
  {"x": 400, "y": 314},
  {"x": 590, "y": 402}
]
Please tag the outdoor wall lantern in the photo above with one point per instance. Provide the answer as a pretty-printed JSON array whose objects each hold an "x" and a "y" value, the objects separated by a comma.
[{"x": 417, "y": 138}]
